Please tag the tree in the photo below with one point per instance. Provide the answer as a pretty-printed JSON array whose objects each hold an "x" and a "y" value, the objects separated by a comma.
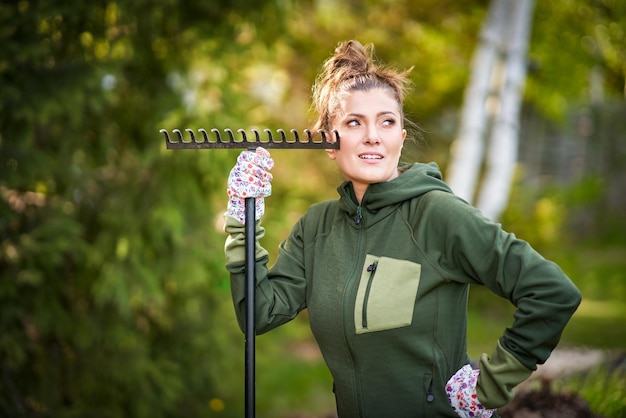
[
  {"x": 502, "y": 155},
  {"x": 112, "y": 297},
  {"x": 576, "y": 54},
  {"x": 494, "y": 94}
]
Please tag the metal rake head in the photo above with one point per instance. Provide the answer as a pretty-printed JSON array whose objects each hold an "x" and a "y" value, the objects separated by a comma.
[{"x": 308, "y": 140}]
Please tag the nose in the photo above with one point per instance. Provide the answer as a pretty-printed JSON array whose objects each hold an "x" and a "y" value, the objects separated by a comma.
[{"x": 371, "y": 135}]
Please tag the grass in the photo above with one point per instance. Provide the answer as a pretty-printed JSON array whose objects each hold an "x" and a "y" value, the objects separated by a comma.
[
  {"x": 603, "y": 389},
  {"x": 598, "y": 324}
]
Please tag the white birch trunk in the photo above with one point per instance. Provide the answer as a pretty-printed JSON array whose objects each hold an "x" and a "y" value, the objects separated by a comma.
[
  {"x": 468, "y": 148},
  {"x": 503, "y": 144}
]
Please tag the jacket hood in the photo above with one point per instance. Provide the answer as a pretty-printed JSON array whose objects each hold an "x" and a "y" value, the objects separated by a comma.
[{"x": 414, "y": 180}]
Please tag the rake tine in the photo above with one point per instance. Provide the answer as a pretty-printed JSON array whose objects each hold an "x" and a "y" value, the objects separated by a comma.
[
  {"x": 218, "y": 136},
  {"x": 282, "y": 134},
  {"x": 193, "y": 136},
  {"x": 230, "y": 134},
  {"x": 167, "y": 135},
  {"x": 243, "y": 135},
  {"x": 179, "y": 133},
  {"x": 204, "y": 134},
  {"x": 257, "y": 136}
]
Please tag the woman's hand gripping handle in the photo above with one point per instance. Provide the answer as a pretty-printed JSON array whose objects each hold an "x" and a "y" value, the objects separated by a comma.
[{"x": 250, "y": 177}]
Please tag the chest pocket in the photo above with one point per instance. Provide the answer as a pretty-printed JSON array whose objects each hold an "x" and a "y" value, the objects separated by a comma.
[{"x": 386, "y": 295}]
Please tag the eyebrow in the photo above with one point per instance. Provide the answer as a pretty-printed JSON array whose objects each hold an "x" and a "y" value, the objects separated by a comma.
[{"x": 383, "y": 113}]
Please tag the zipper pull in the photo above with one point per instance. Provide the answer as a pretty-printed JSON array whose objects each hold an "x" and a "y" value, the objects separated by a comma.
[
  {"x": 372, "y": 267},
  {"x": 359, "y": 215},
  {"x": 430, "y": 397}
]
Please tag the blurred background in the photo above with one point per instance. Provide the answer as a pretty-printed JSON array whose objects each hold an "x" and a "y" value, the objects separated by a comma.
[{"x": 114, "y": 298}]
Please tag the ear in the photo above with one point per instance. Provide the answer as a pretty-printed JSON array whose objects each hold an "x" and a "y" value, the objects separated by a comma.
[
  {"x": 403, "y": 135},
  {"x": 332, "y": 153}
]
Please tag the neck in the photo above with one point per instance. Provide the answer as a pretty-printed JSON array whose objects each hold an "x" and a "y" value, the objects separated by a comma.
[{"x": 359, "y": 191}]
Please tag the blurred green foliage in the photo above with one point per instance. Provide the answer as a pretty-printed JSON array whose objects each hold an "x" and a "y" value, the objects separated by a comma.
[
  {"x": 114, "y": 300},
  {"x": 604, "y": 389}
]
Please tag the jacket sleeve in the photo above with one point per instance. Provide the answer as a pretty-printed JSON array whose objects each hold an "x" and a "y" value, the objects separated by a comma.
[
  {"x": 278, "y": 298},
  {"x": 479, "y": 251}
]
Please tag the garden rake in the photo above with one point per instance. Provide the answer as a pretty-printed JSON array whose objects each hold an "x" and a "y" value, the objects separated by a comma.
[{"x": 269, "y": 141}]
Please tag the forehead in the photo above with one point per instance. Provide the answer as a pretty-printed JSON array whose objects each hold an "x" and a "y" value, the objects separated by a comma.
[{"x": 372, "y": 101}]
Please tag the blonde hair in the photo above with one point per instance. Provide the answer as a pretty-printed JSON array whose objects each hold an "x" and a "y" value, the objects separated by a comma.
[{"x": 352, "y": 67}]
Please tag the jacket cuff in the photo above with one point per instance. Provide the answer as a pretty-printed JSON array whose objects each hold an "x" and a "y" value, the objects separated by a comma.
[
  {"x": 498, "y": 376},
  {"x": 234, "y": 248}
]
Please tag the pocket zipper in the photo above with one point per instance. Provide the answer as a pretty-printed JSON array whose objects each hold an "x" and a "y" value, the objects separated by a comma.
[{"x": 372, "y": 270}]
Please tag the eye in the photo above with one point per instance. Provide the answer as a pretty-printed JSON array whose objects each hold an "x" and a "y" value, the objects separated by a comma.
[
  {"x": 353, "y": 122},
  {"x": 389, "y": 122}
]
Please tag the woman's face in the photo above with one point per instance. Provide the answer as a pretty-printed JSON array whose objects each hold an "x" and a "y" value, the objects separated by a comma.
[{"x": 370, "y": 129}]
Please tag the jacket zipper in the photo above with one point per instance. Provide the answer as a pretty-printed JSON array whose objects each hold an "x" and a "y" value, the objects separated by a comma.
[
  {"x": 347, "y": 295},
  {"x": 359, "y": 215},
  {"x": 372, "y": 271}
]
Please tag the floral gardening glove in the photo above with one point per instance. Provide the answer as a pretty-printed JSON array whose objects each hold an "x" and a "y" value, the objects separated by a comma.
[
  {"x": 249, "y": 177},
  {"x": 461, "y": 391}
]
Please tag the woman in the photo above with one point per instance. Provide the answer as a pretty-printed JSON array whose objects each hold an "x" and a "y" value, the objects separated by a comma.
[{"x": 384, "y": 270}]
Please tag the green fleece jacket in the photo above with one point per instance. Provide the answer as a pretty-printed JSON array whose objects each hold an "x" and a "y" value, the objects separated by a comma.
[{"x": 386, "y": 285}]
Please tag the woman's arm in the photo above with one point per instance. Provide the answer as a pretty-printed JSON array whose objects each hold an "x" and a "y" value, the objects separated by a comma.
[
  {"x": 279, "y": 296},
  {"x": 479, "y": 251}
]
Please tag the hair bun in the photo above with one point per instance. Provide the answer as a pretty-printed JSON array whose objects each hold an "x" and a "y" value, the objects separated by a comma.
[
  {"x": 352, "y": 57},
  {"x": 352, "y": 67}
]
